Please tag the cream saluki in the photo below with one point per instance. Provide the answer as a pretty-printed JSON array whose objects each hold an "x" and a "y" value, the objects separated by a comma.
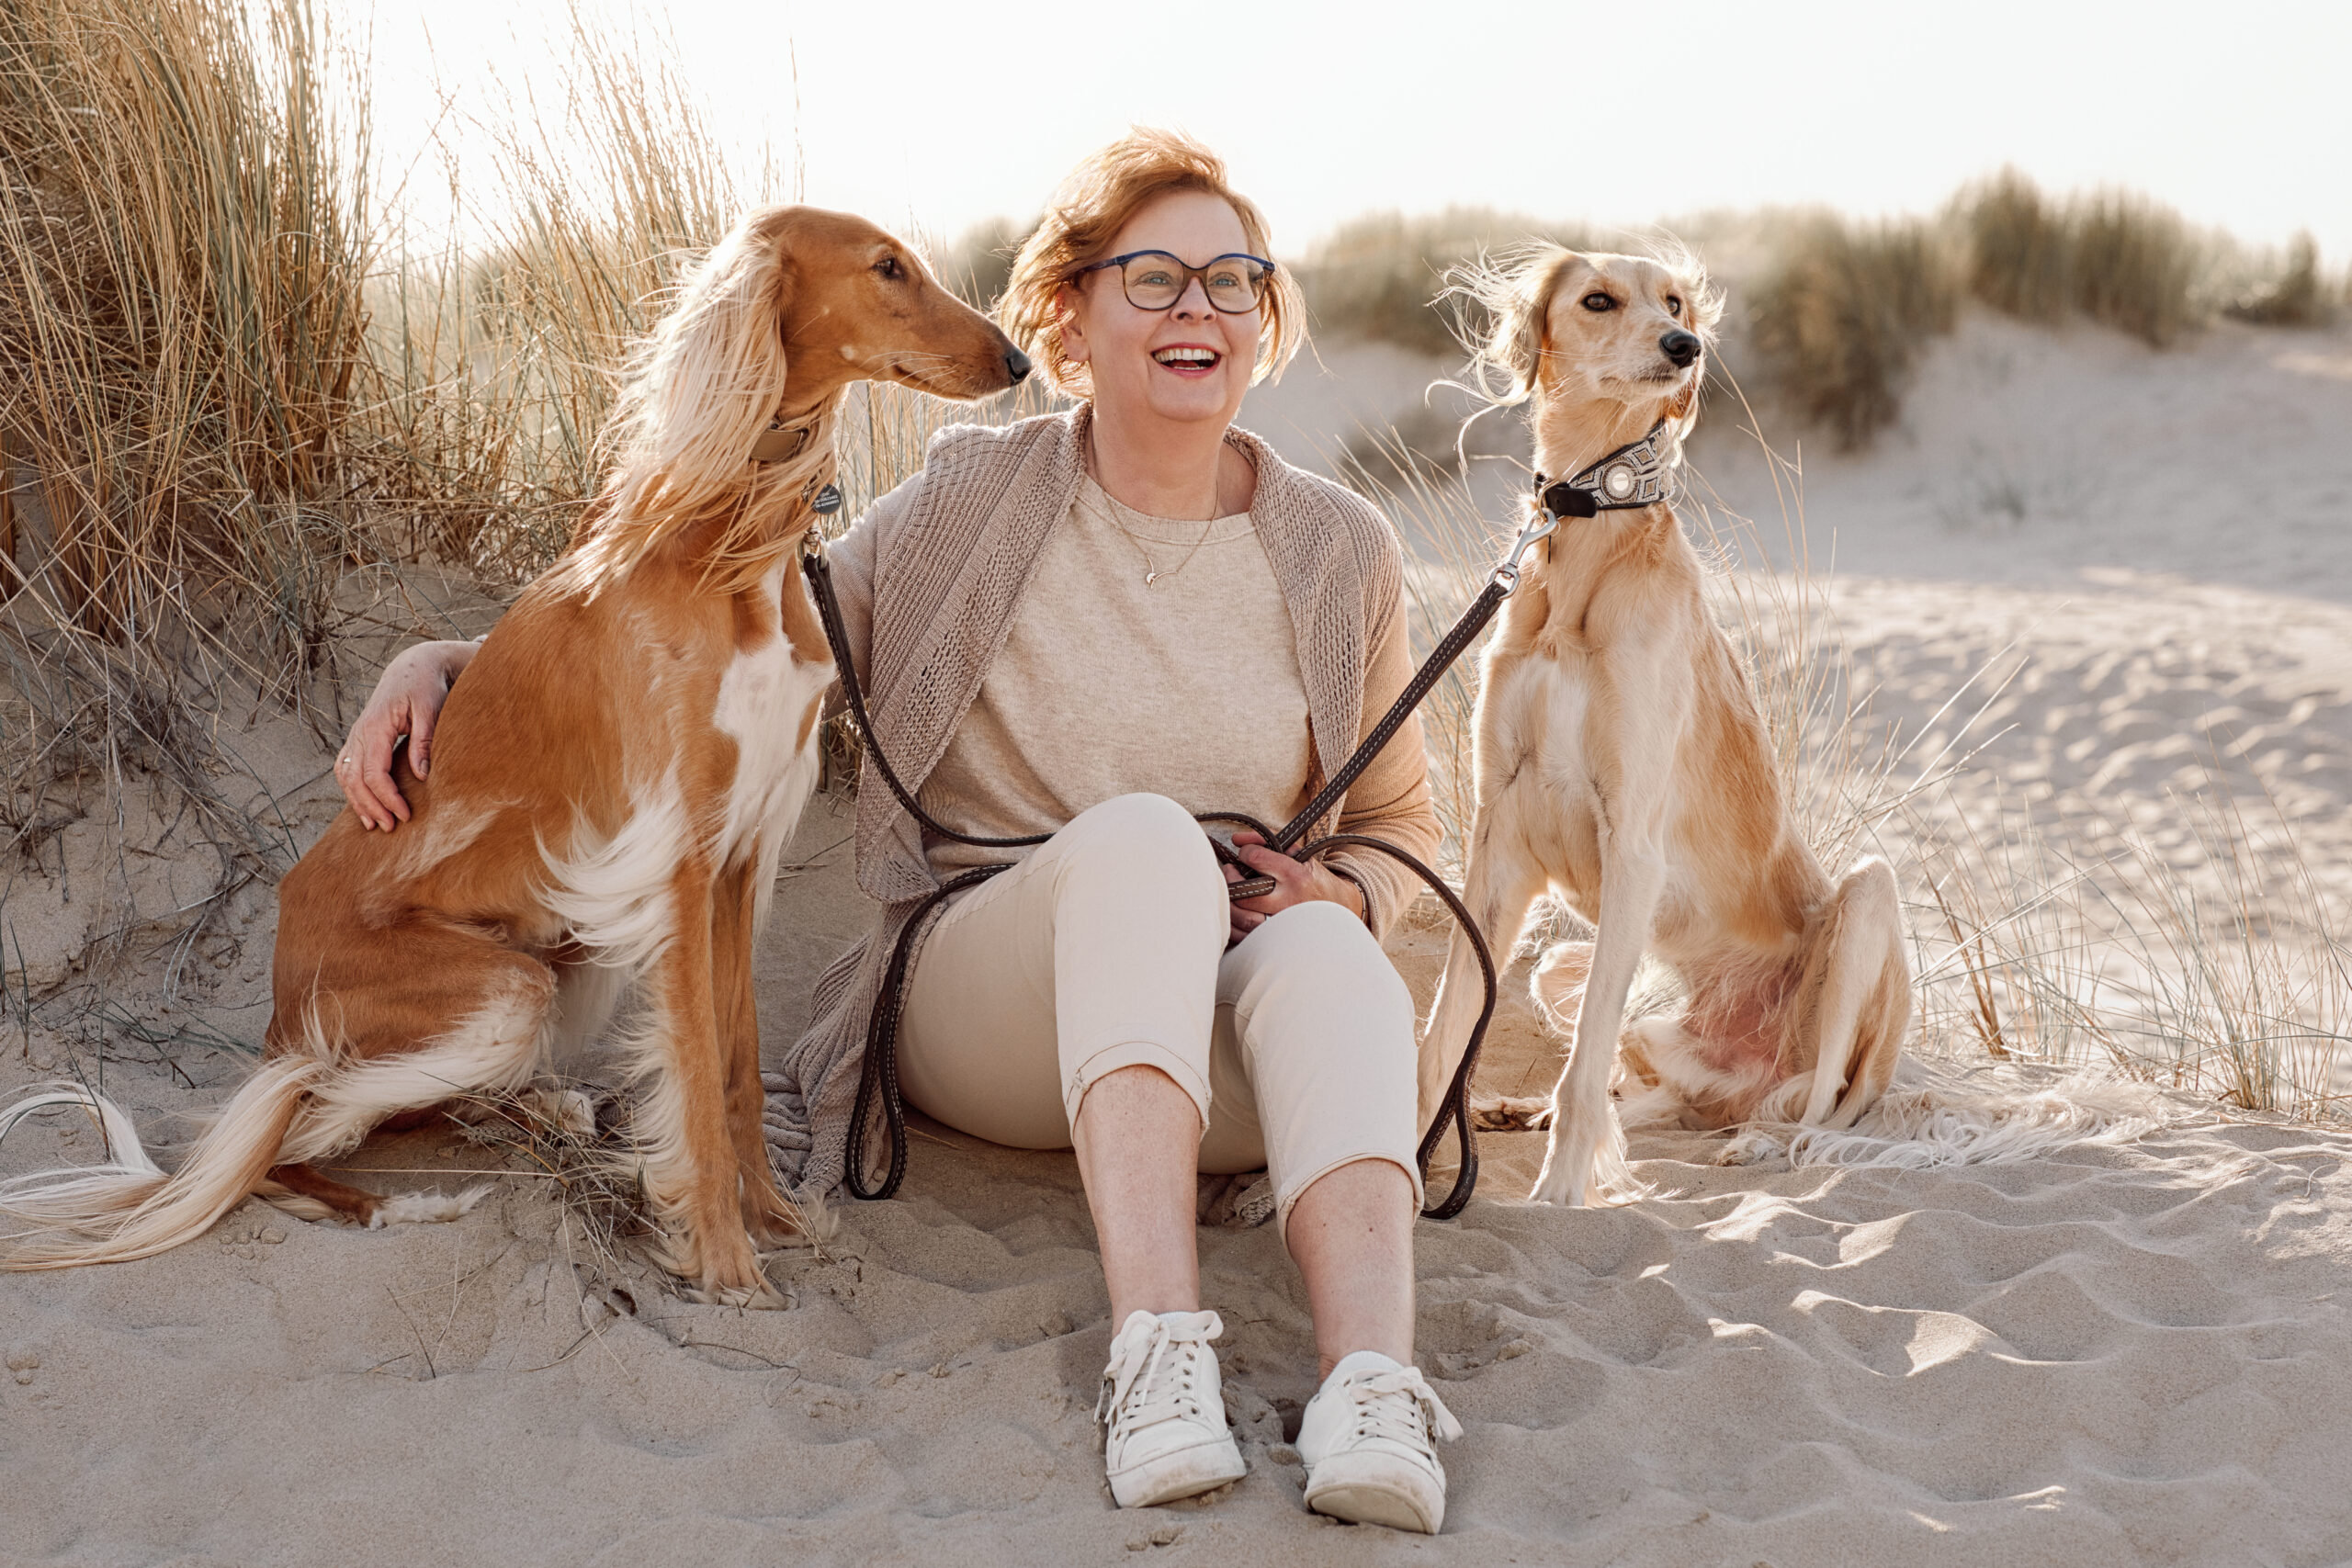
[
  {"x": 612, "y": 782},
  {"x": 1622, "y": 764}
]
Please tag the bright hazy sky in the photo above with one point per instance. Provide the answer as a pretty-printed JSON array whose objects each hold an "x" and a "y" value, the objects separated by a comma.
[{"x": 2239, "y": 113}]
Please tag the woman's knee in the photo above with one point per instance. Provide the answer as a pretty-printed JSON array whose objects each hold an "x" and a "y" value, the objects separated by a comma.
[
  {"x": 1145, "y": 843},
  {"x": 1325, "y": 949}
]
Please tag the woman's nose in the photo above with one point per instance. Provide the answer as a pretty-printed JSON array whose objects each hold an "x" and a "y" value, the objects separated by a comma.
[
  {"x": 1194, "y": 288},
  {"x": 1680, "y": 346}
]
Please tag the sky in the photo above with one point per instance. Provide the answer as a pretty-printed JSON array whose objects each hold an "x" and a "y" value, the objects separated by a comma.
[{"x": 938, "y": 116}]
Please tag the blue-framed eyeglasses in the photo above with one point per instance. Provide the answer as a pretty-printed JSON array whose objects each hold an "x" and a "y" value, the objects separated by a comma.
[{"x": 1154, "y": 280}]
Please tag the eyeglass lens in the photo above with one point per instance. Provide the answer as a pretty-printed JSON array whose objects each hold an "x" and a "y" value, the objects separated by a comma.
[{"x": 1155, "y": 280}]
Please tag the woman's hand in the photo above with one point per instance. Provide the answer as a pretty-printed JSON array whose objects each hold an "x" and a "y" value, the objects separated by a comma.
[
  {"x": 1296, "y": 882},
  {"x": 406, "y": 701}
]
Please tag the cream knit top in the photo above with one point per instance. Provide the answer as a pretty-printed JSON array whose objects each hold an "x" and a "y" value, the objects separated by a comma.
[{"x": 1187, "y": 686}]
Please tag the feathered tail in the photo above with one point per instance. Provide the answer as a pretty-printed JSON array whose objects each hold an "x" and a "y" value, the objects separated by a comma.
[{"x": 128, "y": 1207}]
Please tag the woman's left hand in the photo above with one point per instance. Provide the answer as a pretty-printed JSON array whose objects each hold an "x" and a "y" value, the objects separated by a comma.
[{"x": 1296, "y": 882}]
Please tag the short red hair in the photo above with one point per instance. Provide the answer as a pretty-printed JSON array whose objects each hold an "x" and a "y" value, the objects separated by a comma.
[{"x": 1083, "y": 222}]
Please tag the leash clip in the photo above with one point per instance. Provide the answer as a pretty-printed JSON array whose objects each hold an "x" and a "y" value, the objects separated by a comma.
[{"x": 1540, "y": 527}]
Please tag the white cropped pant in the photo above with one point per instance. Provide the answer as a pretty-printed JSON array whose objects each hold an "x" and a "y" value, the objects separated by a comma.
[{"x": 1105, "y": 948}]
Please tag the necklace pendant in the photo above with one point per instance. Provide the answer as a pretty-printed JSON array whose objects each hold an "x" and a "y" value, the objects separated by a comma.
[{"x": 1150, "y": 577}]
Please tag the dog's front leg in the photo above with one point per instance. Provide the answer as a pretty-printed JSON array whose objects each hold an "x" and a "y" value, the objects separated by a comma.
[
  {"x": 733, "y": 916},
  {"x": 1629, "y": 753},
  {"x": 692, "y": 1177},
  {"x": 1584, "y": 1132}
]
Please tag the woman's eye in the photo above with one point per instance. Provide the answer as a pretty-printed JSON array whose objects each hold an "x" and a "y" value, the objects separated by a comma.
[{"x": 1597, "y": 300}]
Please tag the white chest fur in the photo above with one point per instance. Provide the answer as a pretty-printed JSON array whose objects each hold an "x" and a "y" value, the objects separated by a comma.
[{"x": 765, "y": 704}]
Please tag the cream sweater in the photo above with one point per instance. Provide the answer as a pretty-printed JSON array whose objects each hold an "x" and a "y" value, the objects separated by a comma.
[{"x": 1105, "y": 686}]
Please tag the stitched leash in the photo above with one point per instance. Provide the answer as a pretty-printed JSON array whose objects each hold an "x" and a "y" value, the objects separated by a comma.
[{"x": 878, "y": 1078}]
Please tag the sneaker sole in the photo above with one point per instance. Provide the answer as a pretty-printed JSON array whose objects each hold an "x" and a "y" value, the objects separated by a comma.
[
  {"x": 1364, "y": 1504},
  {"x": 1186, "y": 1473}
]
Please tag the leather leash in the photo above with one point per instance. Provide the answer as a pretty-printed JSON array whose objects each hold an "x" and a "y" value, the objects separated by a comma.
[{"x": 879, "y": 1077}]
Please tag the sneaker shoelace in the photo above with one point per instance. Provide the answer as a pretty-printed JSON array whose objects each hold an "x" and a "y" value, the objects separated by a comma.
[
  {"x": 1158, "y": 1378},
  {"x": 1400, "y": 1406}
]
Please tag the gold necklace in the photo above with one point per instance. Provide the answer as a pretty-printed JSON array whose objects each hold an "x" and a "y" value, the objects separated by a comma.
[{"x": 1151, "y": 574}]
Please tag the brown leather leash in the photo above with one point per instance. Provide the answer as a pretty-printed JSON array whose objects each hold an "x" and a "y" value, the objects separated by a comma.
[{"x": 879, "y": 1079}]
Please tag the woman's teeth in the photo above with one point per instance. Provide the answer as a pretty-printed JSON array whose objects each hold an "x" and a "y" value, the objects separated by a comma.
[{"x": 1201, "y": 357}]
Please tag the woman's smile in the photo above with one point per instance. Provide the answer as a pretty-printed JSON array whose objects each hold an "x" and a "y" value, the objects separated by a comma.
[{"x": 1192, "y": 361}]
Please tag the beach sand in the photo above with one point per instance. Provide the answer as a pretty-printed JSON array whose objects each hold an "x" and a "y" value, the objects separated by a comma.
[{"x": 2132, "y": 1354}]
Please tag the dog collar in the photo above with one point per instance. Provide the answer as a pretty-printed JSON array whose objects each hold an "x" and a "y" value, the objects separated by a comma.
[
  {"x": 782, "y": 443},
  {"x": 1635, "y": 475}
]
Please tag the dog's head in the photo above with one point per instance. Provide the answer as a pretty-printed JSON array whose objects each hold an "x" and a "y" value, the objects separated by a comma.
[
  {"x": 1587, "y": 334},
  {"x": 784, "y": 314},
  {"x": 786, "y": 311}
]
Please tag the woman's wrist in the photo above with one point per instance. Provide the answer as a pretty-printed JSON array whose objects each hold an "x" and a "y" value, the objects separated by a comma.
[
  {"x": 1354, "y": 895},
  {"x": 453, "y": 658}
]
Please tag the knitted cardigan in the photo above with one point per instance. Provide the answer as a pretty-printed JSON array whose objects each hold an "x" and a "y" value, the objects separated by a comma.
[{"x": 927, "y": 599}]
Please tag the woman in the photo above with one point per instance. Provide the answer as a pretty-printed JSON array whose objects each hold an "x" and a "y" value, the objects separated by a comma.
[{"x": 1096, "y": 624}]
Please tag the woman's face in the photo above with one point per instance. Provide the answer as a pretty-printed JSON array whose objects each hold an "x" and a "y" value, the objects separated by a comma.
[{"x": 1150, "y": 365}]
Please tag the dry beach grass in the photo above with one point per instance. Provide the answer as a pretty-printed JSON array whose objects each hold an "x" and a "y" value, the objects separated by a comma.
[{"x": 258, "y": 443}]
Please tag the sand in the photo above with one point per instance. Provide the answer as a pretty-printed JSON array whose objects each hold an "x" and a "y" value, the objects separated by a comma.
[{"x": 2134, "y": 1354}]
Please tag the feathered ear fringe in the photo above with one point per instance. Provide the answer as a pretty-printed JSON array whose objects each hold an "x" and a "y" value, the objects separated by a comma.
[{"x": 699, "y": 393}]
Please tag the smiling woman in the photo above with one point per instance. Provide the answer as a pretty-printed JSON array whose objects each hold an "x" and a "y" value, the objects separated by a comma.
[{"x": 1076, "y": 633}]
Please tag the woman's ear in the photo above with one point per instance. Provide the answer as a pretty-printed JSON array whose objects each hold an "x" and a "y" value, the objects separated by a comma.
[{"x": 1073, "y": 326}]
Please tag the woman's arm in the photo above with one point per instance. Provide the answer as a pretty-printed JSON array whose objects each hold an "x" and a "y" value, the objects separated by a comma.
[
  {"x": 407, "y": 701},
  {"x": 1391, "y": 801}
]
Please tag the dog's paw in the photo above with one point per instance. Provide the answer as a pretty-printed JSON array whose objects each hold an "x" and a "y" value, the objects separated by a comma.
[
  {"x": 1754, "y": 1146},
  {"x": 425, "y": 1208},
  {"x": 1511, "y": 1114}
]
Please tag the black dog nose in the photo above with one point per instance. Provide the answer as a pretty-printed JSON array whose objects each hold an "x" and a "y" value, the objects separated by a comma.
[
  {"x": 1680, "y": 346},
  {"x": 1016, "y": 365}
]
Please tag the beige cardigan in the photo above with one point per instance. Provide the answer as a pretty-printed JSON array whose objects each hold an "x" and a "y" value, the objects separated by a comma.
[{"x": 928, "y": 581}]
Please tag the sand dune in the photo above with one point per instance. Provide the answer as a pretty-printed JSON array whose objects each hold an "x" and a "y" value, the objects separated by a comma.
[{"x": 2130, "y": 1355}]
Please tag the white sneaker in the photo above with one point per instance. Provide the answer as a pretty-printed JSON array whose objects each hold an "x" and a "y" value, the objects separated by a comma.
[
  {"x": 1163, "y": 1404},
  {"x": 1366, "y": 1438}
]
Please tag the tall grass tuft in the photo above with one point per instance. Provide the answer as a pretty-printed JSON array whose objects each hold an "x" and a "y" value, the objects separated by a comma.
[
  {"x": 2119, "y": 258},
  {"x": 1843, "y": 314},
  {"x": 2299, "y": 297},
  {"x": 184, "y": 242},
  {"x": 495, "y": 366},
  {"x": 1382, "y": 278}
]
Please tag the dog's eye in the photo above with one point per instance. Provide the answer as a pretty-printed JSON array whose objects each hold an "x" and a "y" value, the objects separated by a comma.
[
  {"x": 889, "y": 267},
  {"x": 1674, "y": 304},
  {"x": 1597, "y": 300}
]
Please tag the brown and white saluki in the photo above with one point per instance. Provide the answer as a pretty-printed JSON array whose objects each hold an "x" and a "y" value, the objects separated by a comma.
[
  {"x": 1622, "y": 764},
  {"x": 612, "y": 782}
]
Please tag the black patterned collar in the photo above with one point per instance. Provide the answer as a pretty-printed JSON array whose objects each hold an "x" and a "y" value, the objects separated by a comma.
[{"x": 1635, "y": 475}]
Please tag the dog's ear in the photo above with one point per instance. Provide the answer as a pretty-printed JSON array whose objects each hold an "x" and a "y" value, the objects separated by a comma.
[
  {"x": 1521, "y": 325},
  {"x": 709, "y": 379}
]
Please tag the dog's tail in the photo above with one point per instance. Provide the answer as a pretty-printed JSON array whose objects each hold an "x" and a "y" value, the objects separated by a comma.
[{"x": 129, "y": 1207}]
